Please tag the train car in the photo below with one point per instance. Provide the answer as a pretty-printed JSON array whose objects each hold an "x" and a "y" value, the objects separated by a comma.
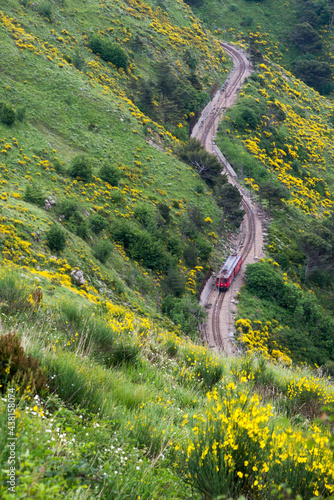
[{"x": 227, "y": 273}]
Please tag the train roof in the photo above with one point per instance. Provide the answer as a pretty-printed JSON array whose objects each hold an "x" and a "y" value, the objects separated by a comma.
[{"x": 229, "y": 265}]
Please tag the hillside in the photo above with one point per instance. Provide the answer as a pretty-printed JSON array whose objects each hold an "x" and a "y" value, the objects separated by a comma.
[
  {"x": 297, "y": 35},
  {"x": 123, "y": 408},
  {"x": 279, "y": 139},
  {"x": 106, "y": 237},
  {"x": 65, "y": 110}
]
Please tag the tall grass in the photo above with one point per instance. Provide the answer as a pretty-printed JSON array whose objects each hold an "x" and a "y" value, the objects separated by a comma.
[{"x": 14, "y": 292}]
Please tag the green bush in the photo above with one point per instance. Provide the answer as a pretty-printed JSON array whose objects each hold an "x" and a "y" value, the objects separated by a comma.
[
  {"x": 45, "y": 10},
  {"x": 97, "y": 223},
  {"x": 208, "y": 369},
  {"x": 82, "y": 230},
  {"x": 68, "y": 209},
  {"x": 34, "y": 194},
  {"x": 184, "y": 311},
  {"x": 76, "y": 222},
  {"x": 264, "y": 281},
  {"x": 110, "y": 174},
  {"x": 164, "y": 212},
  {"x": 247, "y": 118},
  {"x": 144, "y": 214},
  {"x": 109, "y": 51},
  {"x": 147, "y": 249},
  {"x": 59, "y": 167},
  {"x": 190, "y": 255},
  {"x": 7, "y": 114},
  {"x": 175, "y": 245},
  {"x": 123, "y": 232},
  {"x": 203, "y": 248},
  {"x": 56, "y": 239},
  {"x": 102, "y": 251},
  {"x": 81, "y": 168},
  {"x": 175, "y": 282},
  {"x": 199, "y": 189}
]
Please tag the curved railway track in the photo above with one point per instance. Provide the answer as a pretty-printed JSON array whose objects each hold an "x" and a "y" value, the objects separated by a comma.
[
  {"x": 246, "y": 249},
  {"x": 234, "y": 81},
  {"x": 229, "y": 90},
  {"x": 216, "y": 332}
]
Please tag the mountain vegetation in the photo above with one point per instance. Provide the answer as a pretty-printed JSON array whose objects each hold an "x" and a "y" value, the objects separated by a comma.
[{"x": 111, "y": 219}]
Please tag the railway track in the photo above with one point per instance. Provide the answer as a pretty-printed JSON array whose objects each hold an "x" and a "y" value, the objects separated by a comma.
[
  {"x": 250, "y": 240},
  {"x": 246, "y": 249},
  {"x": 209, "y": 129},
  {"x": 233, "y": 85},
  {"x": 216, "y": 332}
]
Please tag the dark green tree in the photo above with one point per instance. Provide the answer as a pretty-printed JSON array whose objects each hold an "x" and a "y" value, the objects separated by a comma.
[
  {"x": 274, "y": 193},
  {"x": 318, "y": 249},
  {"x": 81, "y": 168},
  {"x": 164, "y": 211},
  {"x": 110, "y": 173},
  {"x": 166, "y": 81},
  {"x": 56, "y": 239},
  {"x": 314, "y": 73},
  {"x": 309, "y": 16},
  {"x": 247, "y": 118},
  {"x": 7, "y": 114},
  {"x": 175, "y": 245},
  {"x": 190, "y": 59},
  {"x": 109, "y": 51},
  {"x": 146, "y": 93},
  {"x": 174, "y": 282},
  {"x": 185, "y": 312},
  {"x": 124, "y": 232},
  {"x": 34, "y": 194},
  {"x": 190, "y": 255},
  {"x": 229, "y": 199},
  {"x": 97, "y": 223},
  {"x": 102, "y": 251},
  {"x": 306, "y": 37},
  {"x": 146, "y": 248},
  {"x": 206, "y": 164}
]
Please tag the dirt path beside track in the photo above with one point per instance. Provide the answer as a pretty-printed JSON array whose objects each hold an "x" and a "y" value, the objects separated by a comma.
[{"x": 218, "y": 330}]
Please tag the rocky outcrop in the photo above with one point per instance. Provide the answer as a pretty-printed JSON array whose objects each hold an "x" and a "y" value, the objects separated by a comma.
[
  {"x": 49, "y": 202},
  {"x": 77, "y": 277}
]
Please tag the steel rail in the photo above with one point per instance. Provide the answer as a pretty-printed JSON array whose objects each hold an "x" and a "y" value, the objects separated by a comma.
[{"x": 230, "y": 88}]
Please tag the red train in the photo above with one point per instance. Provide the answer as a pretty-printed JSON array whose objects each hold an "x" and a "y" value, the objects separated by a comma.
[{"x": 230, "y": 269}]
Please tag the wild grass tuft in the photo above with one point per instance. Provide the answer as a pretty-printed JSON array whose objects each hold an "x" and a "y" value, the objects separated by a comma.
[{"x": 14, "y": 292}]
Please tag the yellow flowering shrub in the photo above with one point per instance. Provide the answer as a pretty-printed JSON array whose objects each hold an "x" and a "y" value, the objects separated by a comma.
[
  {"x": 256, "y": 337},
  {"x": 235, "y": 448}
]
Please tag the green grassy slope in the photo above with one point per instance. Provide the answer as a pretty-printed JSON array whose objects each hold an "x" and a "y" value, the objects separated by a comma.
[
  {"x": 123, "y": 397},
  {"x": 63, "y": 112},
  {"x": 279, "y": 139},
  {"x": 125, "y": 409}
]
